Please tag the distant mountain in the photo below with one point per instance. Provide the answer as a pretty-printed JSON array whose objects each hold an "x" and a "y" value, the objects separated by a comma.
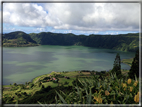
[
  {"x": 123, "y": 42},
  {"x": 18, "y": 38}
]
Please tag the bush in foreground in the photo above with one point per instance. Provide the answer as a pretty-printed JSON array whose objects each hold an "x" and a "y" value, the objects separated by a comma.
[{"x": 95, "y": 91}]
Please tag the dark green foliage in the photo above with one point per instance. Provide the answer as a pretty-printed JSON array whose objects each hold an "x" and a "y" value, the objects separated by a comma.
[
  {"x": 135, "y": 66},
  {"x": 24, "y": 93},
  {"x": 42, "y": 87},
  {"x": 7, "y": 100},
  {"x": 125, "y": 42},
  {"x": 117, "y": 66},
  {"x": 76, "y": 82},
  {"x": 55, "y": 81},
  {"x": 39, "y": 84},
  {"x": 26, "y": 83},
  {"x": 22, "y": 86},
  {"x": 14, "y": 84},
  {"x": 17, "y": 38},
  {"x": 46, "y": 95},
  {"x": 65, "y": 83},
  {"x": 59, "y": 76},
  {"x": 31, "y": 85},
  {"x": 14, "y": 88}
]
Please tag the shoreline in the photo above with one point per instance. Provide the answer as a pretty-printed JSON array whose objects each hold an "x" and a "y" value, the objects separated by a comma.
[
  {"x": 127, "y": 61},
  {"x": 39, "y": 76}
]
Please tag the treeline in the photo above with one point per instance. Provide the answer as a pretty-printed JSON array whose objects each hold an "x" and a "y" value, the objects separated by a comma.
[{"x": 123, "y": 42}]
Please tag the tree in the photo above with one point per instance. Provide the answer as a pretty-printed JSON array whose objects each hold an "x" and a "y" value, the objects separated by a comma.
[
  {"x": 26, "y": 83},
  {"x": 135, "y": 66},
  {"x": 117, "y": 66},
  {"x": 14, "y": 84}
]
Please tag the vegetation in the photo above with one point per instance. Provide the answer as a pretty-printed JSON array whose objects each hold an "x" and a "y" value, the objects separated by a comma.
[
  {"x": 110, "y": 90},
  {"x": 128, "y": 61},
  {"x": 18, "y": 39},
  {"x": 125, "y": 42},
  {"x": 135, "y": 66},
  {"x": 117, "y": 66},
  {"x": 76, "y": 87},
  {"x": 89, "y": 88}
]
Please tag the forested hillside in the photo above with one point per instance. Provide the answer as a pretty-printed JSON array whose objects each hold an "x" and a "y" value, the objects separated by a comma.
[
  {"x": 18, "y": 39},
  {"x": 123, "y": 42}
]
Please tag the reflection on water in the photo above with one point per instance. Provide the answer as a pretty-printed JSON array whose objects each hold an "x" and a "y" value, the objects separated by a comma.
[{"x": 21, "y": 64}]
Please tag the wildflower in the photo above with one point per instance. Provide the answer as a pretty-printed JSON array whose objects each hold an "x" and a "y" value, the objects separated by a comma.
[
  {"x": 98, "y": 99},
  {"x": 138, "y": 93},
  {"x": 124, "y": 85},
  {"x": 107, "y": 93},
  {"x": 131, "y": 88},
  {"x": 136, "y": 98},
  {"x": 135, "y": 83},
  {"x": 129, "y": 81},
  {"x": 95, "y": 98}
]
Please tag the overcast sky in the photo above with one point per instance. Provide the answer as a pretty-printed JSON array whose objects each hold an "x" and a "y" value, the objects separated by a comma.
[{"x": 77, "y": 18}]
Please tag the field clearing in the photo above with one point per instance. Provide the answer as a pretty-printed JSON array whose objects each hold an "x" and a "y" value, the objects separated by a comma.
[
  {"x": 128, "y": 61},
  {"x": 46, "y": 84}
]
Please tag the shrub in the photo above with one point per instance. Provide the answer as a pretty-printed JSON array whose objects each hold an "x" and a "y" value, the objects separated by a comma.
[
  {"x": 14, "y": 84},
  {"x": 93, "y": 90},
  {"x": 65, "y": 83}
]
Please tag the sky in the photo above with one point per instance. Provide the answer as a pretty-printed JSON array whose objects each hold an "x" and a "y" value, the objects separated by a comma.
[{"x": 76, "y": 18}]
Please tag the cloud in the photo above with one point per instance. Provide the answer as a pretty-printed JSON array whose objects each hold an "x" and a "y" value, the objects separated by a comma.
[
  {"x": 74, "y": 16},
  {"x": 24, "y": 14}
]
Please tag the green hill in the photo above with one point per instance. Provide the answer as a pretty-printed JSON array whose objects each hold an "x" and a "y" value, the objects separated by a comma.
[
  {"x": 123, "y": 42},
  {"x": 18, "y": 39}
]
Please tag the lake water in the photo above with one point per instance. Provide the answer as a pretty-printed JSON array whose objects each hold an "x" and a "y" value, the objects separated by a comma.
[{"x": 22, "y": 64}]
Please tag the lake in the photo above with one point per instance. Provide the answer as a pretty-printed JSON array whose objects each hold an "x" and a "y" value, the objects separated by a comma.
[{"x": 22, "y": 64}]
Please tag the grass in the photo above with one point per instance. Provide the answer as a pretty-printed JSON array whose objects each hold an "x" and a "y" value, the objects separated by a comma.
[{"x": 72, "y": 76}]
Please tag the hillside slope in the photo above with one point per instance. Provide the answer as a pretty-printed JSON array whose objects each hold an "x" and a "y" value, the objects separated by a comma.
[
  {"x": 18, "y": 39},
  {"x": 123, "y": 42}
]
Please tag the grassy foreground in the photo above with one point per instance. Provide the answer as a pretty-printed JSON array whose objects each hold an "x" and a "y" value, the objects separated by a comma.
[
  {"x": 73, "y": 87},
  {"x": 18, "y": 92}
]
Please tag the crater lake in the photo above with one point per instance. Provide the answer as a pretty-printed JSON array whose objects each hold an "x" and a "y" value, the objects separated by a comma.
[{"x": 22, "y": 64}]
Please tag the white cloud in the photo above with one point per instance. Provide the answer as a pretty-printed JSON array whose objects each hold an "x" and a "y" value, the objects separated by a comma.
[
  {"x": 24, "y": 14},
  {"x": 40, "y": 29},
  {"x": 75, "y": 16}
]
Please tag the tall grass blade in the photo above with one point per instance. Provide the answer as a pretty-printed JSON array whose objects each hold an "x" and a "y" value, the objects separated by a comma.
[
  {"x": 89, "y": 97},
  {"x": 62, "y": 99}
]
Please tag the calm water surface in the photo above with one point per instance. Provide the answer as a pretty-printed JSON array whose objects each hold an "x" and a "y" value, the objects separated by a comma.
[{"x": 21, "y": 64}]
